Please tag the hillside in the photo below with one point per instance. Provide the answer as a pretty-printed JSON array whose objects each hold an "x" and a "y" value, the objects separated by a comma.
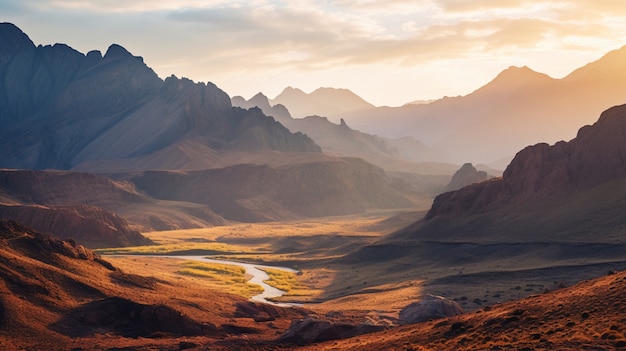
[
  {"x": 253, "y": 193},
  {"x": 589, "y": 315},
  {"x": 83, "y": 204},
  {"x": 517, "y": 108},
  {"x": 57, "y": 295},
  {"x": 554, "y": 216}
]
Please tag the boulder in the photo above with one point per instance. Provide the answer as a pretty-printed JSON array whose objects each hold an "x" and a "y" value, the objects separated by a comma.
[
  {"x": 310, "y": 329},
  {"x": 430, "y": 307}
]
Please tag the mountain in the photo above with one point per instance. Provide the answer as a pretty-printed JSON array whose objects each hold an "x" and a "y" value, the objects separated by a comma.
[
  {"x": 517, "y": 108},
  {"x": 466, "y": 175},
  {"x": 253, "y": 193},
  {"x": 405, "y": 154},
  {"x": 328, "y": 102},
  {"x": 556, "y": 215},
  {"x": 60, "y": 108}
]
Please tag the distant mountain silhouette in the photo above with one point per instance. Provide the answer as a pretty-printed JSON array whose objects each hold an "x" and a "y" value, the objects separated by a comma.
[
  {"x": 59, "y": 108},
  {"x": 341, "y": 140},
  {"x": 327, "y": 102},
  {"x": 517, "y": 108}
]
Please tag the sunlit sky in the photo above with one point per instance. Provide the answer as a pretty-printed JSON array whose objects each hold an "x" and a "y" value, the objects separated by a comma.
[{"x": 388, "y": 52}]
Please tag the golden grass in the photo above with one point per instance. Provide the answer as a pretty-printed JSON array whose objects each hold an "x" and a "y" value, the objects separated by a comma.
[
  {"x": 288, "y": 282},
  {"x": 168, "y": 248},
  {"x": 230, "y": 277}
]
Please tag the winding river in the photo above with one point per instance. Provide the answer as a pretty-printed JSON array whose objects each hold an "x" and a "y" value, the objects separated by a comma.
[{"x": 258, "y": 276}]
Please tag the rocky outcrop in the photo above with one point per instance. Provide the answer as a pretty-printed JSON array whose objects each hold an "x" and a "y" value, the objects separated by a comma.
[
  {"x": 466, "y": 175},
  {"x": 430, "y": 307},
  {"x": 43, "y": 247},
  {"x": 128, "y": 318},
  {"x": 90, "y": 225},
  {"x": 595, "y": 156},
  {"x": 264, "y": 312},
  {"x": 60, "y": 107},
  {"x": 310, "y": 329}
]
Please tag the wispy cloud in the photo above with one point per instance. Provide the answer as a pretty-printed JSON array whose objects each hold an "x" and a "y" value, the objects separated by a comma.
[{"x": 204, "y": 38}]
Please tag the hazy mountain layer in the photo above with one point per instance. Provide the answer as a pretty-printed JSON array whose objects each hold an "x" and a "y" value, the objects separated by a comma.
[
  {"x": 341, "y": 140},
  {"x": 329, "y": 102},
  {"x": 519, "y": 107},
  {"x": 262, "y": 193}
]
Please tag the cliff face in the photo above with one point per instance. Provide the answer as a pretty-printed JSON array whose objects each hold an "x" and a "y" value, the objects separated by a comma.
[
  {"x": 60, "y": 107},
  {"x": 597, "y": 155}
]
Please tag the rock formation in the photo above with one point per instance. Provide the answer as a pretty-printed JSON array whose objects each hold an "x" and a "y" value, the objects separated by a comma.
[
  {"x": 595, "y": 156},
  {"x": 90, "y": 225},
  {"x": 430, "y": 307},
  {"x": 466, "y": 175}
]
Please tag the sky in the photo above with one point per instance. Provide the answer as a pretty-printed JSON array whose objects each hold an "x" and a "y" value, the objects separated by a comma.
[{"x": 388, "y": 52}]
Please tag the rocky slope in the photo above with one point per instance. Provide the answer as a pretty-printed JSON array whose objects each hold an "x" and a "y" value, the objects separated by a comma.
[
  {"x": 597, "y": 155},
  {"x": 90, "y": 225},
  {"x": 586, "y": 316},
  {"x": 466, "y": 175},
  {"x": 82, "y": 200},
  {"x": 57, "y": 295},
  {"x": 60, "y": 107}
]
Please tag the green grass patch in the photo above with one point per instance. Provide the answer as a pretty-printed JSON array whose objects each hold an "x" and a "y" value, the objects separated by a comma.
[
  {"x": 287, "y": 282},
  {"x": 229, "y": 277},
  {"x": 164, "y": 249}
]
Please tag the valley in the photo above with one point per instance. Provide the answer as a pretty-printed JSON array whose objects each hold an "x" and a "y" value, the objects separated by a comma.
[{"x": 148, "y": 213}]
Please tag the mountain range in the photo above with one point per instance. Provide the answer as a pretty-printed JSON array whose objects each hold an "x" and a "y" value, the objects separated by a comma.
[
  {"x": 169, "y": 153},
  {"x": 519, "y": 107},
  {"x": 327, "y": 102},
  {"x": 60, "y": 108}
]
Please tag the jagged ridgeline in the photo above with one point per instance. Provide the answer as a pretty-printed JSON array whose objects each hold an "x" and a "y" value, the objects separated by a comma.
[{"x": 59, "y": 107}]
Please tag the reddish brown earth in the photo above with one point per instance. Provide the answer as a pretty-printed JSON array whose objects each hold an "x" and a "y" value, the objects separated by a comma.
[
  {"x": 57, "y": 295},
  {"x": 588, "y": 316}
]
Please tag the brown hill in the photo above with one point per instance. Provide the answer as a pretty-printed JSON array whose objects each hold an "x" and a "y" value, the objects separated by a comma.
[
  {"x": 91, "y": 225},
  {"x": 589, "y": 315},
  {"x": 57, "y": 295},
  {"x": 78, "y": 198},
  {"x": 517, "y": 108}
]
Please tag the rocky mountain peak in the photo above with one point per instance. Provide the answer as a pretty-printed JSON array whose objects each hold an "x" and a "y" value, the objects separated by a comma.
[
  {"x": 466, "y": 175},
  {"x": 595, "y": 156},
  {"x": 116, "y": 51},
  {"x": 12, "y": 39}
]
